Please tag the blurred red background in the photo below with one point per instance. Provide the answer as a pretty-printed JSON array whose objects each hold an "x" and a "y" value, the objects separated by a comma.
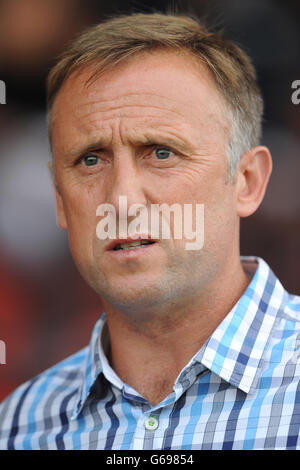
[{"x": 46, "y": 310}]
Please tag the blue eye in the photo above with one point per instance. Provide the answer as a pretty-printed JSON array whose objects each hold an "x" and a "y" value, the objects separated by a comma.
[
  {"x": 163, "y": 153},
  {"x": 90, "y": 160}
]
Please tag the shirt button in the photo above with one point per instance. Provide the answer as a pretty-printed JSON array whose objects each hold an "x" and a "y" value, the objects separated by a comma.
[{"x": 151, "y": 423}]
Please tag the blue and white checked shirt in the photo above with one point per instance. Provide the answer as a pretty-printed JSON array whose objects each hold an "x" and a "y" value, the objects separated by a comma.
[{"x": 240, "y": 391}]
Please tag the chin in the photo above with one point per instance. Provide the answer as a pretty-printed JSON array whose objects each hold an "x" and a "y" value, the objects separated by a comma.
[{"x": 134, "y": 297}]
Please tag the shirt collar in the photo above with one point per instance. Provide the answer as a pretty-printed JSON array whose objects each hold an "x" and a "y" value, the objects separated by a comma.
[
  {"x": 234, "y": 351},
  {"x": 94, "y": 362}
]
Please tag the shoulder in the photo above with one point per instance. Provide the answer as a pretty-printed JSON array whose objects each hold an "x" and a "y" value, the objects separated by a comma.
[
  {"x": 283, "y": 348},
  {"x": 293, "y": 306},
  {"x": 33, "y": 399},
  {"x": 289, "y": 313}
]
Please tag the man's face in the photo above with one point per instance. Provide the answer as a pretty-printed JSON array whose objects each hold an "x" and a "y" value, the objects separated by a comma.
[{"x": 154, "y": 130}]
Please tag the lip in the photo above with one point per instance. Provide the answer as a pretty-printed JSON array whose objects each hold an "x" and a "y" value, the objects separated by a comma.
[
  {"x": 134, "y": 254},
  {"x": 113, "y": 243}
]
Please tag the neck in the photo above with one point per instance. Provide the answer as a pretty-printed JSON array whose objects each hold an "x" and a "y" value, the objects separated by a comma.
[{"x": 149, "y": 355}]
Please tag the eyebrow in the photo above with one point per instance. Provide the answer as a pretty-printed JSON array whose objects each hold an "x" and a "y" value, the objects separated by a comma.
[
  {"x": 167, "y": 139},
  {"x": 94, "y": 145}
]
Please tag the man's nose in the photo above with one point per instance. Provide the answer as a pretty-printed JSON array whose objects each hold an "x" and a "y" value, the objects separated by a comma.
[{"x": 126, "y": 179}]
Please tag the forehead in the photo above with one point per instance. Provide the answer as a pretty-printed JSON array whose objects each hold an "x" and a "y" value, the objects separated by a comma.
[{"x": 147, "y": 85}]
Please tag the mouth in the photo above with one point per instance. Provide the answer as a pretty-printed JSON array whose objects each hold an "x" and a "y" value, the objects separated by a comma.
[
  {"x": 132, "y": 245},
  {"x": 131, "y": 249}
]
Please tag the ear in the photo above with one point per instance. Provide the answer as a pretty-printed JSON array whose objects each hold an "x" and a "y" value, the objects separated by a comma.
[
  {"x": 253, "y": 174},
  {"x": 60, "y": 212}
]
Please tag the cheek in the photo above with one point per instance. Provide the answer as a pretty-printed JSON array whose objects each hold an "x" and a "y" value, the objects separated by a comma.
[
  {"x": 80, "y": 209},
  {"x": 221, "y": 221},
  {"x": 201, "y": 181}
]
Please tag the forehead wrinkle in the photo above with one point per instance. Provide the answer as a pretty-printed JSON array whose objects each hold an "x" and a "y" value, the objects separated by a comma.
[
  {"x": 146, "y": 124},
  {"x": 149, "y": 130},
  {"x": 164, "y": 103},
  {"x": 132, "y": 136},
  {"x": 119, "y": 111},
  {"x": 128, "y": 94},
  {"x": 98, "y": 122}
]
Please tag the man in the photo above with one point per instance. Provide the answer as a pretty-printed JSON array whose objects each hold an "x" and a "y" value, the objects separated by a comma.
[{"x": 197, "y": 348}]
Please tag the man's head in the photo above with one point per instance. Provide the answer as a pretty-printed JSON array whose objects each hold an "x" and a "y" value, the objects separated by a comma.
[
  {"x": 153, "y": 120},
  {"x": 113, "y": 42}
]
